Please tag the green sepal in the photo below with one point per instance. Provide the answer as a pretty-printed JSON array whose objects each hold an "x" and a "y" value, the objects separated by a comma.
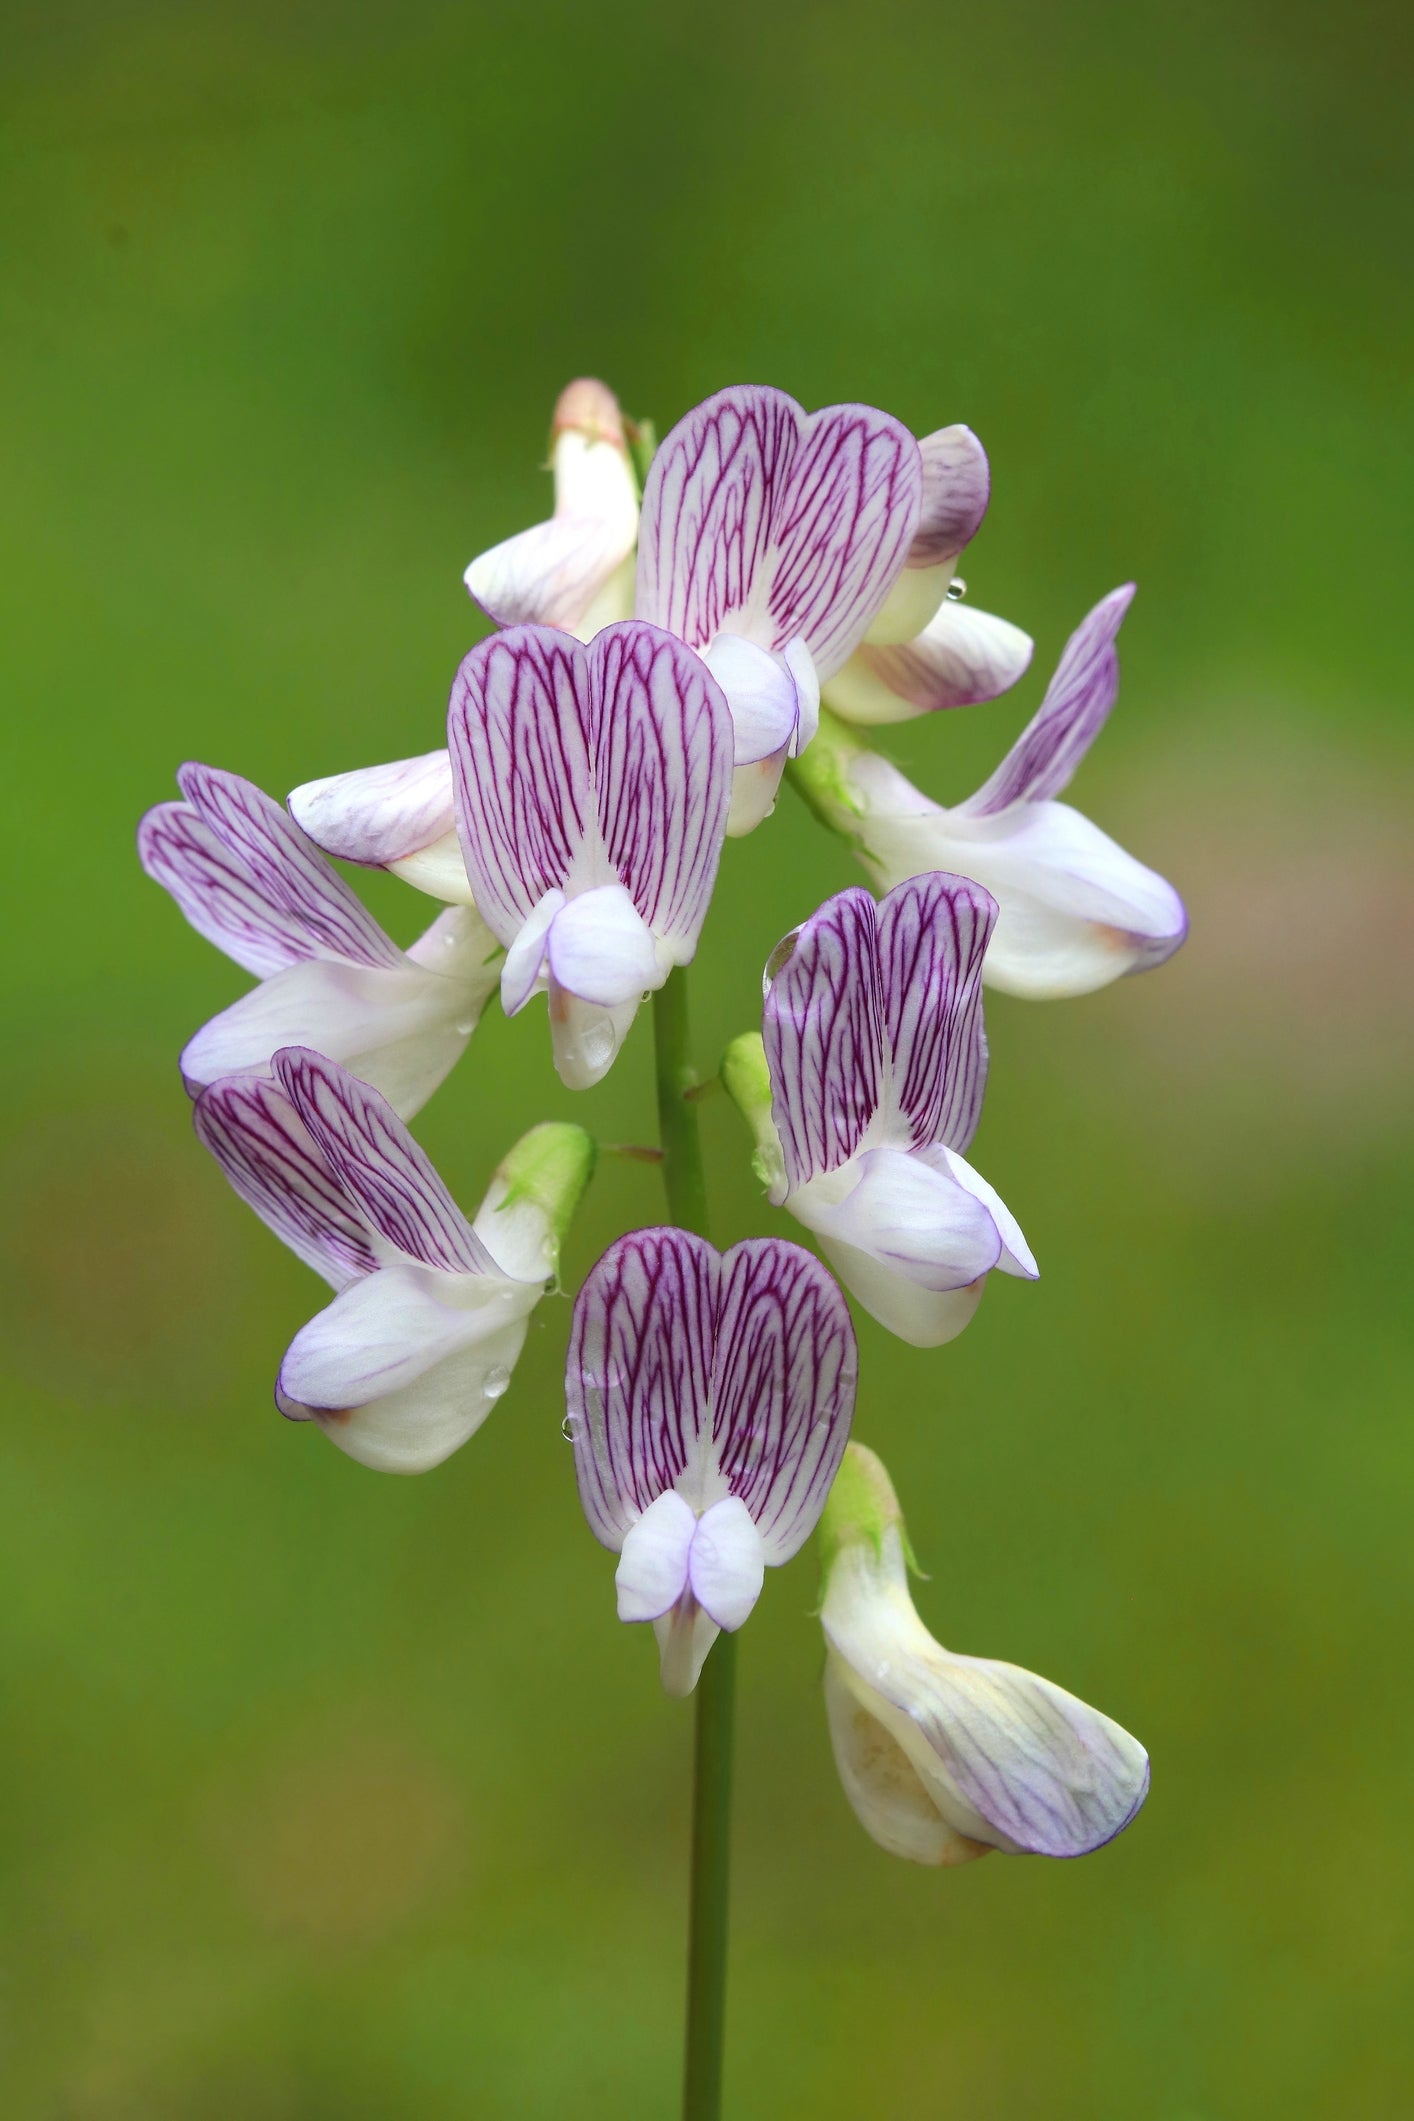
[
  {"x": 549, "y": 1169},
  {"x": 747, "y": 1082}
]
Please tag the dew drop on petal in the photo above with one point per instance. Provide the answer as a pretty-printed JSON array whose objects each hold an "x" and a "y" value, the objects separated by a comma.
[
  {"x": 957, "y": 589},
  {"x": 569, "y": 1427},
  {"x": 464, "y": 1030},
  {"x": 496, "y": 1382}
]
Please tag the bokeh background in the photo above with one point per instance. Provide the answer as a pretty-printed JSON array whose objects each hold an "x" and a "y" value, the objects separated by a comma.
[{"x": 328, "y": 1797}]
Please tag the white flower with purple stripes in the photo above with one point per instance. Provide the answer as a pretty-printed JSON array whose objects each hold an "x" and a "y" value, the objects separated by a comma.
[
  {"x": 710, "y": 1397},
  {"x": 945, "y": 1757},
  {"x": 248, "y": 879},
  {"x": 865, "y": 1089},
  {"x": 769, "y": 542},
  {"x": 574, "y": 572},
  {"x": 431, "y": 1311},
  {"x": 591, "y": 797},
  {"x": 1074, "y": 910},
  {"x": 928, "y": 649}
]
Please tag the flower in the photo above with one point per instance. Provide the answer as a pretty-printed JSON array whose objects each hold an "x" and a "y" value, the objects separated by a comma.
[
  {"x": 574, "y": 572},
  {"x": 431, "y": 1311},
  {"x": 864, "y": 1089},
  {"x": 710, "y": 1395},
  {"x": 249, "y": 880},
  {"x": 945, "y": 1757},
  {"x": 927, "y": 649},
  {"x": 591, "y": 793},
  {"x": 1074, "y": 910},
  {"x": 769, "y": 542}
]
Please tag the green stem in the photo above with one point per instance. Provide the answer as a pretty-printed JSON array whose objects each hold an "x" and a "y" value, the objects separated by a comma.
[
  {"x": 686, "y": 1185},
  {"x": 683, "y": 1175}
]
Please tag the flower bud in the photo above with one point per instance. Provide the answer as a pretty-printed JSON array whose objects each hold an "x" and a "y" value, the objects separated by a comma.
[
  {"x": 533, "y": 1196},
  {"x": 945, "y": 1757},
  {"x": 747, "y": 1082}
]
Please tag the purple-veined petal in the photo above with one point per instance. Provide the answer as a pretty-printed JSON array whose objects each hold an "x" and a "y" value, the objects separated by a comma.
[
  {"x": 761, "y": 519},
  {"x": 378, "y": 814},
  {"x": 576, "y": 769},
  {"x": 638, "y": 1379},
  {"x": 659, "y": 738},
  {"x": 1010, "y": 1759},
  {"x": 395, "y": 1376},
  {"x": 520, "y": 770},
  {"x": 653, "y": 1565},
  {"x": 289, "y": 874},
  {"x": 379, "y": 1165},
  {"x": 1077, "y": 703},
  {"x": 726, "y": 1563},
  {"x": 823, "y": 1027},
  {"x": 551, "y": 575},
  {"x": 716, "y": 1376},
  {"x": 784, "y": 1383},
  {"x": 957, "y": 485},
  {"x": 600, "y": 948},
  {"x": 256, "y": 1136},
  {"x": 933, "y": 932},
  {"x": 961, "y": 656},
  {"x": 214, "y": 890}
]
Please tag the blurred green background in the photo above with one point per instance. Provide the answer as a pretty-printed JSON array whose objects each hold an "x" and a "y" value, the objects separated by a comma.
[{"x": 329, "y": 1797}]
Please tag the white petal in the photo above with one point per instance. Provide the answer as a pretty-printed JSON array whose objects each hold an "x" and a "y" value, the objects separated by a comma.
[
  {"x": 378, "y": 814},
  {"x": 902, "y": 1210},
  {"x": 884, "y": 1788},
  {"x": 1016, "y": 1256},
  {"x": 549, "y": 576},
  {"x": 438, "y": 870},
  {"x": 652, "y": 1572},
  {"x": 911, "y": 603},
  {"x": 801, "y": 665},
  {"x": 961, "y": 656},
  {"x": 401, "y": 1368},
  {"x": 593, "y": 476},
  {"x": 402, "y": 1031},
  {"x": 685, "y": 1635},
  {"x": 524, "y": 969},
  {"x": 923, "y": 1318},
  {"x": 1075, "y": 910},
  {"x": 761, "y": 693},
  {"x": 754, "y": 791},
  {"x": 601, "y": 949},
  {"x": 585, "y": 1037},
  {"x": 727, "y": 1562}
]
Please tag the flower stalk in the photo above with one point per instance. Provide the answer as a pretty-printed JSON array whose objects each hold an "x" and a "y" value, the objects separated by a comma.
[{"x": 685, "y": 1183}]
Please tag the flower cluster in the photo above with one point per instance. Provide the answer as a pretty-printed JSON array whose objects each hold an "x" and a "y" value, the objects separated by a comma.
[{"x": 662, "y": 657}]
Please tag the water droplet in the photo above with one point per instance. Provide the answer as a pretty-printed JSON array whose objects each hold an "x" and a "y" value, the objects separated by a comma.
[
  {"x": 464, "y": 1030},
  {"x": 957, "y": 589},
  {"x": 597, "y": 1043},
  {"x": 496, "y": 1381},
  {"x": 569, "y": 1427}
]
